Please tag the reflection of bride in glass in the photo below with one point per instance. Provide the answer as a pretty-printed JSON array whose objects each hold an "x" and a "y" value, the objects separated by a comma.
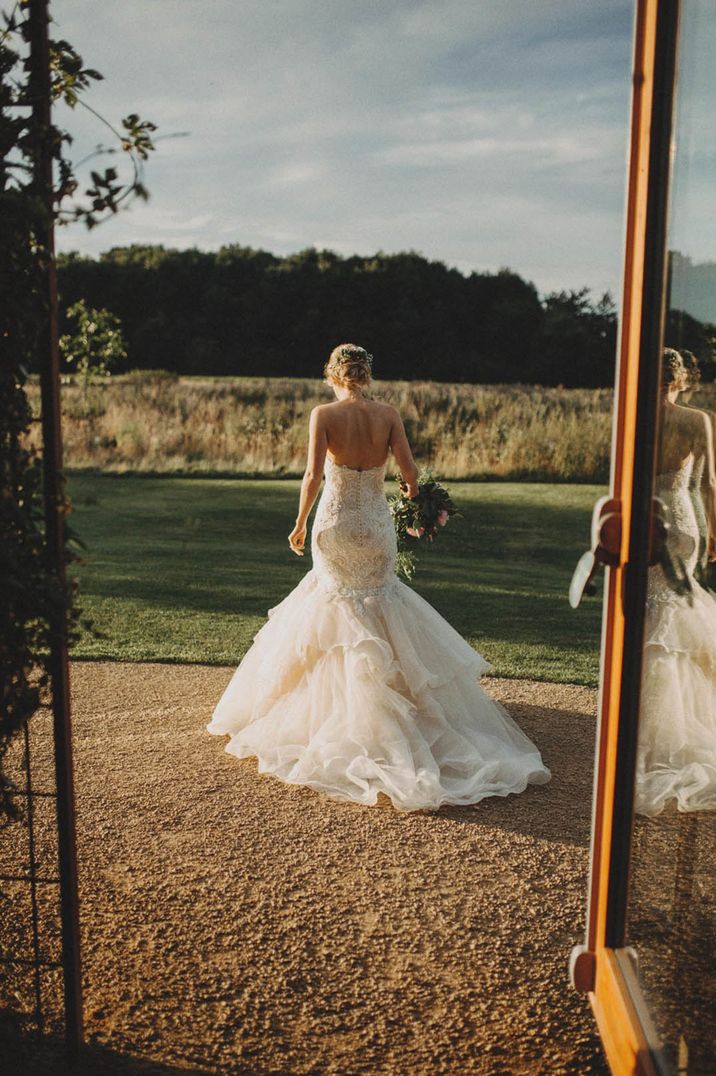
[
  {"x": 699, "y": 477},
  {"x": 356, "y": 686},
  {"x": 677, "y": 725}
]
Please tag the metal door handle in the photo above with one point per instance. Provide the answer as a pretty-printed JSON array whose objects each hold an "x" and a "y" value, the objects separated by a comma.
[{"x": 606, "y": 548}]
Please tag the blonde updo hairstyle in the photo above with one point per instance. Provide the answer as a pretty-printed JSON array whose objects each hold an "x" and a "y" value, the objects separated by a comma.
[
  {"x": 693, "y": 371},
  {"x": 349, "y": 366},
  {"x": 674, "y": 374}
]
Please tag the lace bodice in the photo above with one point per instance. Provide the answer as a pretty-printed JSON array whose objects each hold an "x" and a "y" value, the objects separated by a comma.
[
  {"x": 675, "y": 489},
  {"x": 353, "y": 539}
]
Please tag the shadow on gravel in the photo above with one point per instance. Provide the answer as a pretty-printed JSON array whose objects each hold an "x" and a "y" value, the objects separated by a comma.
[
  {"x": 560, "y": 810},
  {"x": 22, "y": 1053}
]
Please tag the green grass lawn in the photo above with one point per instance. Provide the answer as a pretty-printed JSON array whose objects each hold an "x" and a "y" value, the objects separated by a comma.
[{"x": 184, "y": 569}]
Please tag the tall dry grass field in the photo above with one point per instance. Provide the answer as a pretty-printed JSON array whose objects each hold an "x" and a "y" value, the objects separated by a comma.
[{"x": 260, "y": 426}]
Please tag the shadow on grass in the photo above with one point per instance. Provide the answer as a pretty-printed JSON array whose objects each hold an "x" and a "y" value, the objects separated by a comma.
[{"x": 204, "y": 548}]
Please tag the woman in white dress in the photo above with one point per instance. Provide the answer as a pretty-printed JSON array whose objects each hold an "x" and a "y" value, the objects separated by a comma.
[
  {"x": 676, "y": 761},
  {"x": 700, "y": 493},
  {"x": 355, "y": 686}
]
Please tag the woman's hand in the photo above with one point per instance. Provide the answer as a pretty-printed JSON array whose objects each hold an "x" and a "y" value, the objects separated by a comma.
[
  {"x": 297, "y": 539},
  {"x": 410, "y": 489}
]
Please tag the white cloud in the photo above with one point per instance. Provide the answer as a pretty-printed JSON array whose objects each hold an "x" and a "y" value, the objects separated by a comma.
[
  {"x": 558, "y": 150},
  {"x": 296, "y": 172},
  {"x": 481, "y": 134}
]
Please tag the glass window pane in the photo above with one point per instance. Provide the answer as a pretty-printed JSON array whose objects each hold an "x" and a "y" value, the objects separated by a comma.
[{"x": 673, "y": 904}]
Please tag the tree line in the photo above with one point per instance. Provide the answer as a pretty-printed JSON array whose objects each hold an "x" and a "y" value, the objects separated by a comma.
[{"x": 242, "y": 311}]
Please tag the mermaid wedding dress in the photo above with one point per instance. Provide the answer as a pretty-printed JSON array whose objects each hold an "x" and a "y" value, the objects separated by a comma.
[
  {"x": 676, "y": 759},
  {"x": 355, "y": 685}
]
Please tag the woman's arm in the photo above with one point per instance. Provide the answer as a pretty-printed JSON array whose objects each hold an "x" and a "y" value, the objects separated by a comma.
[
  {"x": 311, "y": 483},
  {"x": 403, "y": 456},
  {"x": 709, "y": 480}
]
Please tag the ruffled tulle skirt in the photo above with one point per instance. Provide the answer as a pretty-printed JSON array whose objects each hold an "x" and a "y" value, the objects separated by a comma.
[
  {"x": 354, "y": 696},
  {"x": 676, "y": 762}
]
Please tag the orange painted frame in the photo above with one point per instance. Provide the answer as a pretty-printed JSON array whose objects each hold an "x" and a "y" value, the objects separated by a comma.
[{"x": 603, "y": 966}]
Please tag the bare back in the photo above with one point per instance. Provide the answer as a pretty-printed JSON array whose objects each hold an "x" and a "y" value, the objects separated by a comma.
[
  {"x": 684, "y": 431},
  {"x": 359, "y": 433}
]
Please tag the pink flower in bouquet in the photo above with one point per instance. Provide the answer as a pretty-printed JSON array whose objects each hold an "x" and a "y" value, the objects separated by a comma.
[
  {"x": 415, "y": 532},
  {"x": 443, "y": 517}
]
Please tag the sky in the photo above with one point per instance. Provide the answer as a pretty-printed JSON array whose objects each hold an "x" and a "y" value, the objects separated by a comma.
[
  {"x": 692, "y": 221},
  {"x": 485, "y": 135}
]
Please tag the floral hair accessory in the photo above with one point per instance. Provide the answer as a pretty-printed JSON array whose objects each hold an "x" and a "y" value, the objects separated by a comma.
[{"x": 356, "y": 354}]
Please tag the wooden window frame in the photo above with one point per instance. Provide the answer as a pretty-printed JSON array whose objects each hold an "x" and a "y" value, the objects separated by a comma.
[{"x": 604, "y": 967}]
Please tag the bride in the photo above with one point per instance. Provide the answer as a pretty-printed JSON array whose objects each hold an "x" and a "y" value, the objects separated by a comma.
[
  {"x": 356, "y": 686},
  {"x": 676, "y": 756}
]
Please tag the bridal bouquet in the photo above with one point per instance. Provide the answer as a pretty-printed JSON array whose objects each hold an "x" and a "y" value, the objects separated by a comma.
[{"x": 419, "y": 517}]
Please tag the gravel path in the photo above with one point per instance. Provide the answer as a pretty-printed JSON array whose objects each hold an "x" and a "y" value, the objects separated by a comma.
[{"x": 234, "y": 924}]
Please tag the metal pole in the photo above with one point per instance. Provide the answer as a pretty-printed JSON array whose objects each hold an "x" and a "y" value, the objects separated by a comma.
[{"x": 54, "y": 530}]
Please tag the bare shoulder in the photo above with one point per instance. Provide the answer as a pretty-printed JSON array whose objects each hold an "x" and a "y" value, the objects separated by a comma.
[
  {"x": 696, "y": 418},
  {"x": 387, "y": 410},
  {"x": 681, "y": 415},
  {"x": 689, "y": 422}
]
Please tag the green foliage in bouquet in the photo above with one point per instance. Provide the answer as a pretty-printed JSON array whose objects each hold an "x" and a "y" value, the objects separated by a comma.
[{"x": 418, "y": 518}]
